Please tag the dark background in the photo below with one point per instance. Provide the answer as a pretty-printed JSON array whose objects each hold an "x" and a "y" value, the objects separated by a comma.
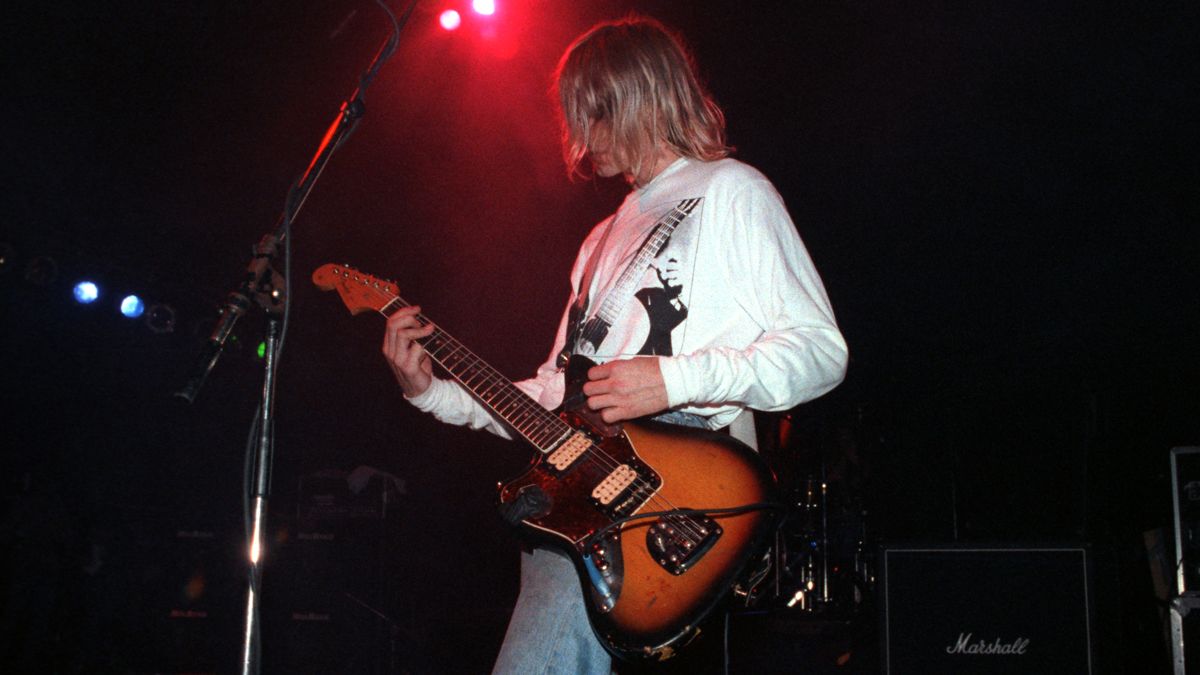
[{"x": 1000, "y": 197}]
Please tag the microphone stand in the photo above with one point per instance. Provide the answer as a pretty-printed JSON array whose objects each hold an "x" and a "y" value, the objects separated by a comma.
[{"x": 264, "y": 287}]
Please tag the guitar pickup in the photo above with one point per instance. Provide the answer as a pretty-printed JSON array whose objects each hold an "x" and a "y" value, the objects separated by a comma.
[
  {"x": 625, "y": 489},
  {"x": 569, "y": 451},
  {"x": 614, "y": 484},
  {"x": 677, "y": 542}
]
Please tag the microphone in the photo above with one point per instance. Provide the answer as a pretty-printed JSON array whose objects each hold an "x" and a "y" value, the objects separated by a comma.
[{"x": 233, "y": 310}]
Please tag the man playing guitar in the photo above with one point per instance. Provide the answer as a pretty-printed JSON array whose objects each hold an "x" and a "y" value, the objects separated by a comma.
[{"x": 697, "y": 298}]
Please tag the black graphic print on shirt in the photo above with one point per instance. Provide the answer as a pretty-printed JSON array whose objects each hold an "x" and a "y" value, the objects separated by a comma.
[
  {"x": 664, "y": 306},
  {"x": 650, "y": 326}
]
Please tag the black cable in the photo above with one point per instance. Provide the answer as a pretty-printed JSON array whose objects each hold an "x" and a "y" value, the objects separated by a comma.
[{"x": 248, "y": 474}]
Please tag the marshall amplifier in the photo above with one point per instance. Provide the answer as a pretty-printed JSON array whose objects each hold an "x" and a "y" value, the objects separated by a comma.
[{"x": 985, "y": 609}]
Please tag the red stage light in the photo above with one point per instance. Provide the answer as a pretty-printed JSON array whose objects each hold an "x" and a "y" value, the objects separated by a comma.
[
  {"x": 485, "y": 7},
  {"x": 450, "y": 19}
]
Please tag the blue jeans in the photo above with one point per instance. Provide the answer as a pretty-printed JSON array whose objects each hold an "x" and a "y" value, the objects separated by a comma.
[{"x": 549, "y": 632}]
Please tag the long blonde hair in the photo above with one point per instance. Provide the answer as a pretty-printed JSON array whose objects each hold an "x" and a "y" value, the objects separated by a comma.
[{"x": 637, "y": 76}]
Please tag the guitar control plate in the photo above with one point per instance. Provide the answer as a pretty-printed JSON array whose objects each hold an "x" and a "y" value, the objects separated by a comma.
[
  {"x": 679, "y": 541},
  {"x": 605, "y": 567}
]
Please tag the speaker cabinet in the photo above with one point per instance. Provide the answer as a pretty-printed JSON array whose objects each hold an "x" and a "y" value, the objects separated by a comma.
[
  {"x": 329, "y": 595},
  {"x": 975, "y": 610},
  {"x": 189, "y": 600}
]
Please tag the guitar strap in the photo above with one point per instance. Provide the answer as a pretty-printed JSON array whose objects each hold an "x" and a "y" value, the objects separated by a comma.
[{"x": 583, "y": 304}]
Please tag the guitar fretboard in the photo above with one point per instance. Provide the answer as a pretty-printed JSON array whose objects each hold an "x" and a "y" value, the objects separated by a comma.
[{"x": 536, "y": 424}]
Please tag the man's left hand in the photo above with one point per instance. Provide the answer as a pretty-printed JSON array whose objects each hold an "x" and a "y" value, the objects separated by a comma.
[{"x": 624, "y": 390}]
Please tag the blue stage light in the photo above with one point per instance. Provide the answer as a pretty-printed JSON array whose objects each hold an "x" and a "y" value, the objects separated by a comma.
[
  {"x": 132, "y": 306},
  {"x": 86, "y": 292}
]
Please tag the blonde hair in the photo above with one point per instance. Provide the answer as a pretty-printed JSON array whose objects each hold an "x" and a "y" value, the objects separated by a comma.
[{"x": 637, "y": 76}]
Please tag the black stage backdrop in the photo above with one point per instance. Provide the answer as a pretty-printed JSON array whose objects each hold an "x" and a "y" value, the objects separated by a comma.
[{"x": 1000, "y": 196}]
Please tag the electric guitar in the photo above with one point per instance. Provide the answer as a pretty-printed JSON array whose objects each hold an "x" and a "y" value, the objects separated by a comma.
[{"x": 660, "y": 520}]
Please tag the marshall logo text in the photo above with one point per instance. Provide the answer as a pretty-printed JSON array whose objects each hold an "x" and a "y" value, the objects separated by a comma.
[{"x": 964, "y": 645}]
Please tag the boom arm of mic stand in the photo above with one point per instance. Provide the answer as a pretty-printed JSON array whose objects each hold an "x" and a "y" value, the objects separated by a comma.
[{"x": 259, "y": 274}]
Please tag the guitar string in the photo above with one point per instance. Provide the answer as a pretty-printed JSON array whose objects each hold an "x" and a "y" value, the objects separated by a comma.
[{"x": 598, "y": 456}]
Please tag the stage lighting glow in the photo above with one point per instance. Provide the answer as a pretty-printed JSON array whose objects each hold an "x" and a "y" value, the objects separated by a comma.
[
  {"x": 484, "y": 7},
  {"x": 450, "y": 19},
  {"x": 86, "y": 292},
  {"x": 193, "y": 590},
  {"x": 132, "y": 306}
]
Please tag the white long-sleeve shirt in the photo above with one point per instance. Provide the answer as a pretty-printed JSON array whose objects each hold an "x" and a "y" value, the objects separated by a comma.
[{"x": 732, "y": 305}]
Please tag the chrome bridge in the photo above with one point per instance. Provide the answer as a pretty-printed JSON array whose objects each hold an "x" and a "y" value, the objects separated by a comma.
[{"x": 678, "y": 541}]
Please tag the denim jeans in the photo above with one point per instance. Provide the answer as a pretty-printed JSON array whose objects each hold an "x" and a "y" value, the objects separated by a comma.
[{"x": 549, "y": 632}]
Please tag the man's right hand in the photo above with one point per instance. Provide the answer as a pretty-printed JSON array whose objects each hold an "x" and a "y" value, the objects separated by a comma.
[{"x": 407, "y": 359}]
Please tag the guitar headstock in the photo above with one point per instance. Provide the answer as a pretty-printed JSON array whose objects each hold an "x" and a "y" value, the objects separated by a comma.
[{"x": 360, "y": 292}]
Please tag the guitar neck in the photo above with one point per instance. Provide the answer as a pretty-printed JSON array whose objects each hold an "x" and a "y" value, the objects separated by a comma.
[{"x": 543, "y": 429}]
